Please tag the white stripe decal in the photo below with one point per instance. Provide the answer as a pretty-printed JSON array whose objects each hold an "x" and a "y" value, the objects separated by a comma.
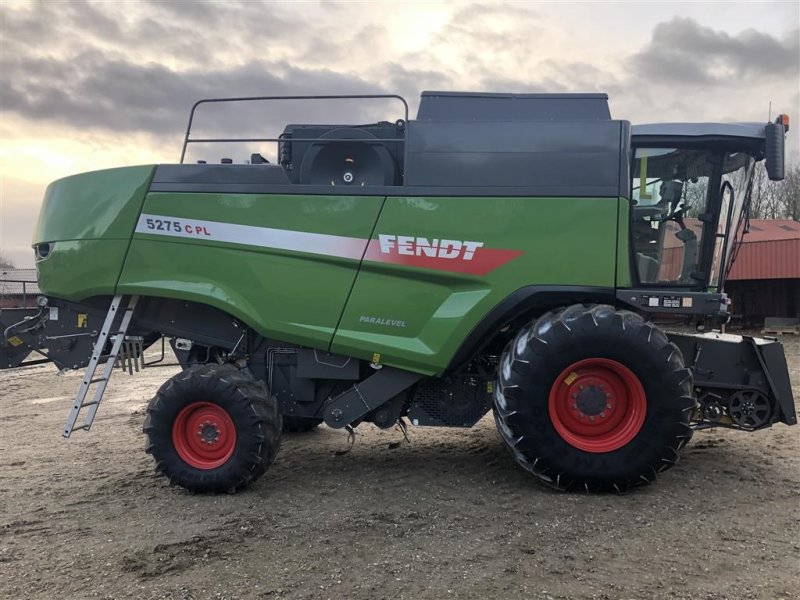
[
  {"x": 407, "y": 251},
  {"x": 231, "y": 233}
]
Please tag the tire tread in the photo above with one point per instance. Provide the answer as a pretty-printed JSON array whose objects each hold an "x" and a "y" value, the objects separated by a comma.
[{"x": 538, "y": 342}]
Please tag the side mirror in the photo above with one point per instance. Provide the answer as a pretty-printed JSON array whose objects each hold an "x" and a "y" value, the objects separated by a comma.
[{"x": 774, "y": 141}]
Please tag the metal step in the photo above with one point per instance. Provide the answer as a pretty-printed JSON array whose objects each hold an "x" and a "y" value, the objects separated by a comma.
[{"x": 89, "y": 378}]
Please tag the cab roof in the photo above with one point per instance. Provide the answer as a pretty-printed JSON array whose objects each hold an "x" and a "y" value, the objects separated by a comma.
[{"x": 754, "y": 131}]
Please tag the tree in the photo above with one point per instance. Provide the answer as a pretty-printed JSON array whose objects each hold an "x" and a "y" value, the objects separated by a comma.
[
  {"x": 790, "y": 200},
  {"x": 776, "y": 199},
  {"x": 6, "y": 263}
]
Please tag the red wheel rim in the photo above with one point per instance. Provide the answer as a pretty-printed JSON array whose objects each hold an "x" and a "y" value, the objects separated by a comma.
[
  {"x": 204, "y": 435},
  {"x": 597, "y": 405}
]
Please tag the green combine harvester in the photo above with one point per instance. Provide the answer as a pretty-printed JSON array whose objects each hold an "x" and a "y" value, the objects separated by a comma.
[{"x": 520, "y": 253}]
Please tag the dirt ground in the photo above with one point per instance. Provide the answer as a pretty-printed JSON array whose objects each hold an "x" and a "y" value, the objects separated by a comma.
[{"x": 449, "y": 516}]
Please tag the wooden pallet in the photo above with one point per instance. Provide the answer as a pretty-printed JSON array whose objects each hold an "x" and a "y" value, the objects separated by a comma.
[{"x": 781, "y": 326}]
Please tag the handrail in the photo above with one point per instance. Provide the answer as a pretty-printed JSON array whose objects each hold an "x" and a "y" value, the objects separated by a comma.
[
  {"x": 187, "y": 137},
  {"x": 294, "y": 139}
]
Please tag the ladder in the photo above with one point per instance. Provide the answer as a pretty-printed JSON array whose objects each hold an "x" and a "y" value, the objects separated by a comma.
[{"x": 89, "y": 379}]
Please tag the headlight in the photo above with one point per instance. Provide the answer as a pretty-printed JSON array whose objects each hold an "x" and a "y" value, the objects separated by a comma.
[{"x": 43, "y": 250}]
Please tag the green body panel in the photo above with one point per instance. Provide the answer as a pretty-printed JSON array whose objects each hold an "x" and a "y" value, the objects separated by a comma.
[
  {"x": 79, "y": 269},
  {"x": 90, "y": 217},
  {"x": 565, "y": 241},
  {"x": 293, "y": 296},
  {"x": 415, "y": 317},
  {"x": 624, "y": 278},
  {"x": 99, "y": 204}
]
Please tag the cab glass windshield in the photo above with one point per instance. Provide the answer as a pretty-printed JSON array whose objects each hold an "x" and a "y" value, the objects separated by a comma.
[
  {"x": 687, "y": 208},
  {"x": 670, "y": 192}
]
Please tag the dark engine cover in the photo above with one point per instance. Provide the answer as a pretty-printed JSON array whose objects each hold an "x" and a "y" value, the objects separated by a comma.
[
  {"x": 313, "y": 162},
  {"x": 458, "y": 401}
]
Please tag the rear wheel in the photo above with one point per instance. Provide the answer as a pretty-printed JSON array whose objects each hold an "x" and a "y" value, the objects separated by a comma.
[
  {"x": 592, "y": 398},
  {"x": 213, "y": 428}
]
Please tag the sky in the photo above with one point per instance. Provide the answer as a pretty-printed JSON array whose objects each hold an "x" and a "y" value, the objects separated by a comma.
[{"x": 91, "y": 85}]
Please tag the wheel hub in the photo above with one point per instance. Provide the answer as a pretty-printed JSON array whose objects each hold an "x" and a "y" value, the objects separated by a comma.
[
  {"x": 597, "y": 405},
  {"x": 204, "y": 435},
  {"x": 209, "y": 433},
  {"x": 591, "y": 400}
]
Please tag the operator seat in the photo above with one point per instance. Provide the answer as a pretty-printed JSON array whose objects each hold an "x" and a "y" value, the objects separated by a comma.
[{"x": 648, "y": 268}]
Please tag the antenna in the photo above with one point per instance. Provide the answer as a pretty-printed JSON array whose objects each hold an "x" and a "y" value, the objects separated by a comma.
[{"x": 769, "y": 116}]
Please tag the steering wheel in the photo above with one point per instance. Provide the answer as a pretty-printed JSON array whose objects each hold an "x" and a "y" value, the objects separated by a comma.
[{"x": 676, "y": 215}]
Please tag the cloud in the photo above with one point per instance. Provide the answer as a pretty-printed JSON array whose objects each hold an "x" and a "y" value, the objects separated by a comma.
[
  {"x": 409, "y": 82},
  {"x": 106, "y": 68},
  {"x": 111, "y": 81},
  {"x": 194, "y": 33},
  {"x": 17, "y": 217},
  {"x": 99, "y": 92},
  {"x": 118, "y": 72},
  {"x": 486, "y": 42},
  {"x": 683, "y": 51}
]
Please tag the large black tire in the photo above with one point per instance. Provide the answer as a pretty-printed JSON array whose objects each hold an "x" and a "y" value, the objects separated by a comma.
[
  {"x": 299, "y": 424},
  {"x": 539, "y": 400},
  {"x": 236, "y": 422}
]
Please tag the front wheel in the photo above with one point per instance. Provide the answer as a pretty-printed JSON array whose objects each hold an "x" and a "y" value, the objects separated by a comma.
[
  {"x": 594, "y": 399},
  {"x": 213, "y": 428}
]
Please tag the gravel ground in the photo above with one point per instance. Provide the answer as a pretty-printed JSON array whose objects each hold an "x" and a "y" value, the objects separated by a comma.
[{"x": 448, "y": 516}]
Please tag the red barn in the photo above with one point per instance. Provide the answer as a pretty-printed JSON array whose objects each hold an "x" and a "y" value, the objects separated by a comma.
[{"x": 765, "y": 278}]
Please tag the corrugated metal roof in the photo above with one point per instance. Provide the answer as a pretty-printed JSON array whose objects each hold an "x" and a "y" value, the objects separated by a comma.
[
  {"x": 767, "y": 230},
  {"x": 761, "y": 230},
  {"x": 771, "y": 250},
  {"x": 772, "y": 259},
  {"x": 10, "y": 282}
]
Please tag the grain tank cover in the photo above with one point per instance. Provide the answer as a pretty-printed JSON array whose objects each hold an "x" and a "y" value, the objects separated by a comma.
[
  {"x": 475, "y": 106},
  {"x": 531, "y": 144}
]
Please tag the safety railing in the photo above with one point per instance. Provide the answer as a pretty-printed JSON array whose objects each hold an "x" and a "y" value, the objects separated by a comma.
[
  {"x": 9, "y": 294},
  {"x": 277, "y": 140}
]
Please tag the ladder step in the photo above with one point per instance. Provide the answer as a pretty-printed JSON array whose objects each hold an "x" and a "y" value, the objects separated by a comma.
[{"x": 120, "y": 348}]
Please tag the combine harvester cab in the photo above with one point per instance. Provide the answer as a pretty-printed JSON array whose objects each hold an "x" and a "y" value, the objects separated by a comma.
[{"x": 505, "y": 252}]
